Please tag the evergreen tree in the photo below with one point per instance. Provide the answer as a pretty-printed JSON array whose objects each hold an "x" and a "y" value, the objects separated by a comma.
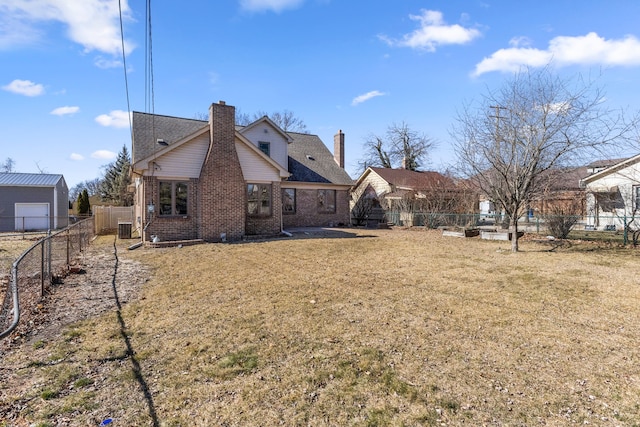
[
  {"x": 84, "y": 206},
  {"x": 113, "y": 187}
]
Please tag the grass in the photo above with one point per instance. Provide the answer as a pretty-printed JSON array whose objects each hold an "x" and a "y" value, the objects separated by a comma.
[
  {"x": 12, "y": 246},
  {"x": 390, "y": 327}
]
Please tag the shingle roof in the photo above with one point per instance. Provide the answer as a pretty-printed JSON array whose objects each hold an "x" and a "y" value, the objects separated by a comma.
[
  {"x": 148, "y": 128},
  {"x": 309, "y": 159},
  {"x": 605, "y": 163},
  {"x": 565, "y": 178},
  {"x": 414, "y": 179},
  {"x": 29, "y": 179}
]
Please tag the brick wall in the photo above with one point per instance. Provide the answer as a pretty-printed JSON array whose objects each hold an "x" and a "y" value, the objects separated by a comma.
[
  {"x": 269, "y": 225},
  {"x": 171, "y": 227},
  {"x": 222, "y": 195},
  {"x": 307, "y": 214}
]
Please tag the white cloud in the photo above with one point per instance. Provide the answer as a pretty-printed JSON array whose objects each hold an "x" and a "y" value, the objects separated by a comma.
[
  {"x": 24, "y": 87},
  {"x": 116, "y": 119},
  {"x": 433, "y": 32},
  {"x": 103, "y": 155},
  {"x": 590, "y": 49},
  {"x": 273, "y": 5},
  {"x": 77, "y": 157},
  {"x": 94, "y": 24},
  {"x": 105, "y": 63},
  {"x": 64, "y": 111},
  {"x": 367, "y": 96}
]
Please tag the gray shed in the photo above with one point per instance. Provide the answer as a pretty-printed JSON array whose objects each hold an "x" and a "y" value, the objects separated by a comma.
[{"x": 30, "y": 201}]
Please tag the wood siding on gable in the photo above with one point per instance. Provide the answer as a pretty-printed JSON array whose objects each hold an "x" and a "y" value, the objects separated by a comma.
[
  {"x": 278, "y": 145},
  {"x": 254, "y": 168},
  {"x": 626, "y": 177},
  {"x": 377, "y": 183},
  {"x": 184, "y": 161}
]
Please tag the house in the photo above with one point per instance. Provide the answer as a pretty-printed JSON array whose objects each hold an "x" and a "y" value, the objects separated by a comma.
[
  {"x": 556, "y": 191},
  {"x": 215, "y": 181},
  {"x": 400, "y": 194},
  {"x": 30, "y": 201},
  {"x": 559, "y": 192},
  {"x": 613, "y": 195}
]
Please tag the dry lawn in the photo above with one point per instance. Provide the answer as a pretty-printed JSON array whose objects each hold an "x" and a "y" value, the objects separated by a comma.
[
  {"x": 370, "y": 328},
  {"x": 12, "y": 246}
]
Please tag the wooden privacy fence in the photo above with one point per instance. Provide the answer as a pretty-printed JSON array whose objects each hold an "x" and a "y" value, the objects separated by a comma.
[{"x": 109, "y": 218}]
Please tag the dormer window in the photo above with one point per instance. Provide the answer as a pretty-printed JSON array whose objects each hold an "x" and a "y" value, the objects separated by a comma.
[{"x": 265, "y": 147}]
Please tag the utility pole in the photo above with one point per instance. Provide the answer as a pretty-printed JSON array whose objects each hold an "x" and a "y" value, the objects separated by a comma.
[{"x": 497, "y": 117}]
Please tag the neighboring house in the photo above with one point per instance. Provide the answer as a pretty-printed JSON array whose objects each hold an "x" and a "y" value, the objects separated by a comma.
[
  {"x": 392, "y": 191},
  {"x": 613, "y": 195},
  {"x": 559, "y": 192},
  {"x": 217, "y": 181},
  {"x": 30, "y": 201}
]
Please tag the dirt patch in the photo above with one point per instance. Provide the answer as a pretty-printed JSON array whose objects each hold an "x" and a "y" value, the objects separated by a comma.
[
  {"x": 87, "y": 291},
  {"x": 102, "y": 282}
]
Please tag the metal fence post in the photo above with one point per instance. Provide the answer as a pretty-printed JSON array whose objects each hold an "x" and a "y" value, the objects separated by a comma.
[
  {"x": 625, "y": 239},
  {"x": 42, "y": 268},
  {"x": 49, "y": 256},
  {"x": 68, "y": 245}
]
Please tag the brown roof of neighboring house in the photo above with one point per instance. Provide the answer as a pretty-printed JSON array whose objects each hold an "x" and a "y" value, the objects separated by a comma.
[
  {"x": 416, "y": 180},
  {"x": 565, "y": 178},
  {"x": 605, "y": 163}
]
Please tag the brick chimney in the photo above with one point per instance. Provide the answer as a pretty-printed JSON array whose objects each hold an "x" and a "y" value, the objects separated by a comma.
[
  {"x": 338, "y": 148},
  {"x": 222, "y": 193}
]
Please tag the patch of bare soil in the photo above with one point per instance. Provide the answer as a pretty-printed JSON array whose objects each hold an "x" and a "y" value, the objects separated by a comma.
[{"x": 101, "y": 283}]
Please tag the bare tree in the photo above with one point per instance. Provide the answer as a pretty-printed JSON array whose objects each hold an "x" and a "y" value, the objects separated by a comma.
[
  {"x": 8, "y": 165},
  {"x": 92, "y": 186},
  {"x": 400, "y": 147},
  {"x": 535, "y": 122},
  {"x": 363, "y": 201},
  {"x": 286, "y": 120}
]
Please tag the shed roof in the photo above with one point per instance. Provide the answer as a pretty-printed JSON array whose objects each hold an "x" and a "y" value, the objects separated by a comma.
[{"x": 9, "y": 179}]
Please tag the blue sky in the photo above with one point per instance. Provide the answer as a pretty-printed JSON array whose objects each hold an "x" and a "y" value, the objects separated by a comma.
[{"x": 351, "y": 65}]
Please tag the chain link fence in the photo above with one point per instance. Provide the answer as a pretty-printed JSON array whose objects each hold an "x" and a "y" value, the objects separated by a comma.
[
  {"x": 33, "y": 273},
  {"x": 626, "y": 226}
]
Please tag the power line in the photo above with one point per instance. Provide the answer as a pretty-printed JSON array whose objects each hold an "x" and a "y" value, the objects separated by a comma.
[
  {"x": 124, "y": 62},
  {"x": 149, "y": 87}
]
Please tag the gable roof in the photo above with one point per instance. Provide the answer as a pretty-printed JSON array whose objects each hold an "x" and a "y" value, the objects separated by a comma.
[
  {"x": 148, "y": 128},
  {"x": 8, "y": 179},
  {"x": 611, "y": 169},
  {"x": 265, "y": 119},
  {"x": 309, "y": 159},
  {"x": 413, "y": 180}
]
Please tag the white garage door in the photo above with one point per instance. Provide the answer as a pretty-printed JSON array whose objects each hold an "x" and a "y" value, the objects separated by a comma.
[{"x": 32, "y": 216}]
